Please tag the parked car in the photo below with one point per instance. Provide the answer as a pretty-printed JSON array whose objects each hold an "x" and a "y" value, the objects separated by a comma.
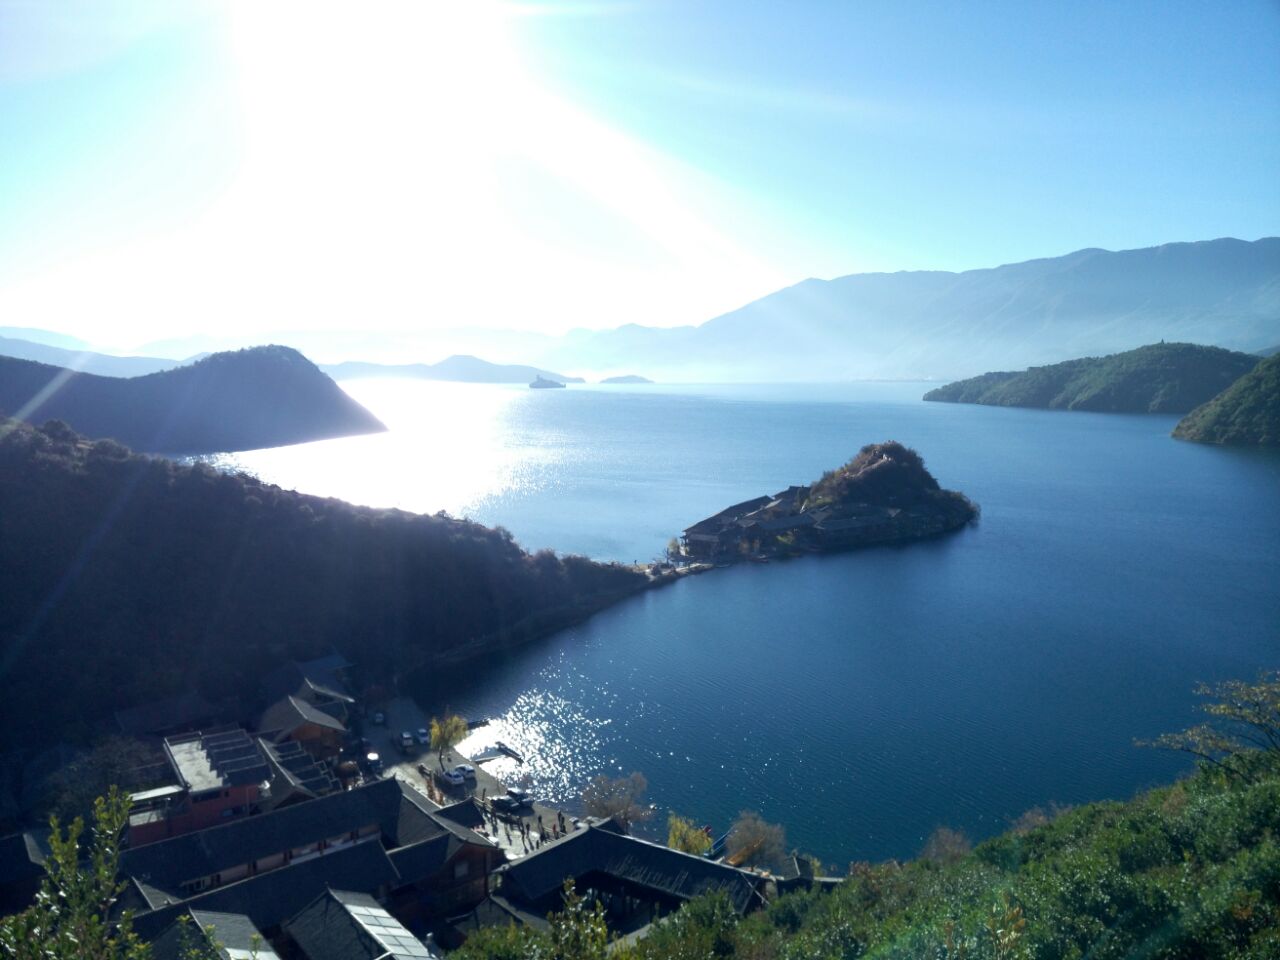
[
  {"x": 374, "y": 764},
  {"x": 424, "y": 737},
  {"x": 520, "y": 796},
  {"x": 466, "y": 769},
  {"x": 406, "y": 741},
  {"x": 379, "y": 719},
  {"x": 506, "y": 804},
  {"x": 453, "y": 778}
]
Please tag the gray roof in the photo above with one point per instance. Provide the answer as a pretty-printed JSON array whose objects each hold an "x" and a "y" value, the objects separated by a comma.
[
  {"x": 342, "y": 925},
  {"x": 269, "y": 899},
  {"x": 235, "y": 935},
  {"x": 599, "y": 849},
  {"x": 311, "y": 680},
  {"x": 289, "y": 713},
  {"x": 22, "y": 856},
  {"x": 161, "y": 868},
  {"x": 294, "y": 773},
  {"x": 216, "y": 759}
]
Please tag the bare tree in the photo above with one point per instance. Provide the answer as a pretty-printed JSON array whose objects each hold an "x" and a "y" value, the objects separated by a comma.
[
  {"x": 946, "y": 846},
  {"x": 755, "y": 843},
  {"x": 617, "y": 798}
]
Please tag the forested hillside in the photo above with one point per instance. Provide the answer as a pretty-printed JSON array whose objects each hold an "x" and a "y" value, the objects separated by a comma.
[
  {"x": 1159, "y": 378},
  {"x": 1247, "y": 412},
  {"x": 125, "y": 577},
  {"x": 261, "y": 397}
]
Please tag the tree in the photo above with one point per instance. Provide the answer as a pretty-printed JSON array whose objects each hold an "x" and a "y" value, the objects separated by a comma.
[
  {"x": 755, "y": 843},
  {"x": 683, "y": 835},
  {"x": 446, "y": 734},
  {"x": 71, "y": 918},
  {"x": 946, "y": 846},
  {"x": 617, "y": 798},
  {"x": 578, "y": 932},
  {"x": 1246, "y": 719},
  {"x": 113, "y": 761}
]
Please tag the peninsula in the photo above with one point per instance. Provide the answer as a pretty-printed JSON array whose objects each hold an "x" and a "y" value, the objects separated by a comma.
[
  {"x": 883, "y": 495},
  {"x": 1157, "y": 378},
  {"x": 1247, "y": 413}
]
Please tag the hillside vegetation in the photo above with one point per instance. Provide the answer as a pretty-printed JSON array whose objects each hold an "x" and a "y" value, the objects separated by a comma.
[
  {"x": 1247, "y": 412},
  {"x": 242, "y": 400},
  {"x": 109, "y": 561},
  {"x": 1159, "y": 378}
]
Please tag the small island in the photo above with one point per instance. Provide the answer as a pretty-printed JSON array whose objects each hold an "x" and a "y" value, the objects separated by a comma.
[
  {"x": 542, "y": 383},
  {"x": 883, "y": 495},
  {"x": 627, "y": 378}
]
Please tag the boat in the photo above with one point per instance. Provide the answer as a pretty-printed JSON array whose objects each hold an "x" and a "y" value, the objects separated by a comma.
[
  {"x": 508, "y": 751},
  {"x": 542, "y": 383}
]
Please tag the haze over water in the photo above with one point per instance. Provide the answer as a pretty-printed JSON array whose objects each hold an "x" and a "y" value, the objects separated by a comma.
[{"x": 861, "y": 699}]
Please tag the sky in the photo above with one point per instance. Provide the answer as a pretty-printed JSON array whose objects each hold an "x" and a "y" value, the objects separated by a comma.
[{"x": 183, "y": 167}]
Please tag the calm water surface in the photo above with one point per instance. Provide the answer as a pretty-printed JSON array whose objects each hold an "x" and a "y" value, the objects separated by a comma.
[{"x": 860, "y": 699}]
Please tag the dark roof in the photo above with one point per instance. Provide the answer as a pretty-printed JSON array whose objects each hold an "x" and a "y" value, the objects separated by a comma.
[
  {"x": 187, "y": 709},
  {"x": 466, "y": 813},
  {"x": 419, "y": 861},
  {"x": 22, "y": 856},
  {"x": 289, "y": 713},
  {"x": 310, "y": 680},
  {"x": 269, "y": 899},
  {"x": 166, "y": 864},
  {"x": 234, "y": 933},
  {"x": 341, "y": 925},
  {"x": 497, "y": 911},
  {"x": 294, "y": 773},
  {"x": 598, "y": 849}
]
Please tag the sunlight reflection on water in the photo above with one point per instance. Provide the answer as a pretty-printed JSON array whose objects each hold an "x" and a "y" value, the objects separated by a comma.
[{"x": 460, "y": 443}]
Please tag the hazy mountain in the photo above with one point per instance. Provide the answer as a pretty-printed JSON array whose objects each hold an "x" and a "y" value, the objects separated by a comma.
[
  {"x": 627, "y": 378},
  {"x": 86, "y": 361},
  {"x": 456, "y": 368},
  {"x": 49, "y": 338},
  {"x": 262, "y": 397},
  {"x": 1247, "y": 412},
  {"x": 1160, "y": 378},
  {"x": 936, "y": 324}
]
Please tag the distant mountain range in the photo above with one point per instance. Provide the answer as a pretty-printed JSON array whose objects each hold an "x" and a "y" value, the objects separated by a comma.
[
  {"x": 1246, "y": 413},
  {"x": 931, "y": 325},
  {"x": 261, "y": 397},
  {"x": 86, "y": 361},
  {"x": 457, "y": 368},
  {"x": 1159, "y": 378},
  {"x": 935, "y": 324}
]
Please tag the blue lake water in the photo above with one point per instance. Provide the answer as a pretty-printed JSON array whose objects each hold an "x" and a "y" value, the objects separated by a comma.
[{"x": 860, "y": 699}]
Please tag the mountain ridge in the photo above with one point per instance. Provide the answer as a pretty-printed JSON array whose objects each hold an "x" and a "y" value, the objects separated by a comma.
[{"x": 242, "y": 400}]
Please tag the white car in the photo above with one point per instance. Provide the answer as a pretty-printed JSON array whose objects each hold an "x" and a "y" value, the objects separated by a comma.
[
  {"x": 424, "y": 737},
  {"x": 466, "y": 770},
  {"x": 453, "y": 778}
]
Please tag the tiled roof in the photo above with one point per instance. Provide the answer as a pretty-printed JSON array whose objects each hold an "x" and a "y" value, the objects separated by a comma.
[
  {"x": 22, "y": 856},
  {"x": 235, "y": 935},
  {"x": 167, "y": 864},
  {"x": 596, "y": 849},
  {"x": 342, "y": 925},
  {"x": 269, "y": 899},
  {"x": 290, "y": 712}
]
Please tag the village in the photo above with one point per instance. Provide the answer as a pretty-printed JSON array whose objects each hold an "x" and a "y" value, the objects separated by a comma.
[{"x": 315, "y": 824}]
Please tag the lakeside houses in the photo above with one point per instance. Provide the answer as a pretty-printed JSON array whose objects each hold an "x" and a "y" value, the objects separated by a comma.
[{"x": 253, "y": 835}]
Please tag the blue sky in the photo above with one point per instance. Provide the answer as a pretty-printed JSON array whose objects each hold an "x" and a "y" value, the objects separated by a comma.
[{"x": 181, "y": 167}]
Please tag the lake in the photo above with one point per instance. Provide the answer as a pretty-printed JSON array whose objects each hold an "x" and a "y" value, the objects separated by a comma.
[{"x": 859, "y": 699}]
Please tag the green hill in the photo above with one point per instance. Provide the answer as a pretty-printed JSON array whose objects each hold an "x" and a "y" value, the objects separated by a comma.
[
  {"x": 242, "y": 400},
  {"x": 1247, "y": 412},
  {"x": 125, "y": 578},
  {"x": 1159, "y": 378}
]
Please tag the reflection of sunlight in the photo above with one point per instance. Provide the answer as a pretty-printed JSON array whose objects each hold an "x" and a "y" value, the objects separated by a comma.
[{"x": 448, "y": 446}]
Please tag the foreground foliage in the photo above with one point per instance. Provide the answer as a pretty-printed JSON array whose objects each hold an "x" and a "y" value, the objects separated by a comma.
[{"x": 69, "y": 920}]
